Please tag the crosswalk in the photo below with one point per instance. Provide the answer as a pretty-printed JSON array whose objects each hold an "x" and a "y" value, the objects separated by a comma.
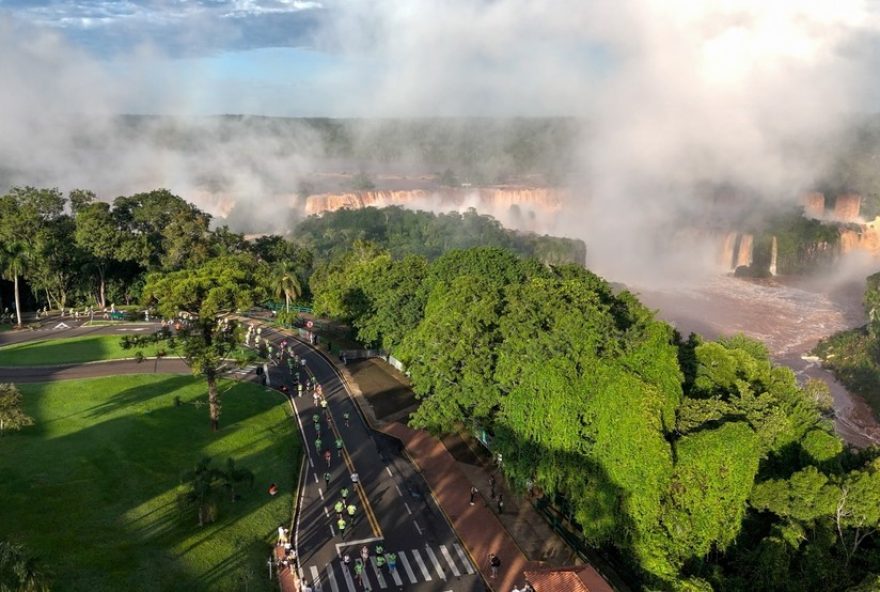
[{"x": 413, "y": 566}]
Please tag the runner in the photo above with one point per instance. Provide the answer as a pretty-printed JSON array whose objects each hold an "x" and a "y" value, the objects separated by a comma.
[
  {"x": 351, "y": 511},
  {"x": 391, "y": 558},
  {"x": 344, "y": 493},
  {"x": 327, "y": 457},
  {"x": 339, "y": 507},
  {"x": 380, "y": 561},
  {"x": 341, "y": 524},
  {"x": 359, "y": 571},
  {"x": 327, "y": 479},
  {"x": 346, "y": 416},
  {"x": 318, "y": 444},
  {"x": 365, "y": 553},
  {"x": 339, "y": 444}
]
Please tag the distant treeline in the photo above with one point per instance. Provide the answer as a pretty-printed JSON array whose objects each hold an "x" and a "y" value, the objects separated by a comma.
[
  {"x": 480, "y": 150},
  {"x": 405, "y": 232}
]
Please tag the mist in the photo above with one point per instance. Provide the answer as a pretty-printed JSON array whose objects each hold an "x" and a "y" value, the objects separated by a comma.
[{"x": 675, "y": 97}]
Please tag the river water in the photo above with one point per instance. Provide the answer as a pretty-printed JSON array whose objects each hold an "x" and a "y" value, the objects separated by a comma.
[{"x": 789, "y": 316}]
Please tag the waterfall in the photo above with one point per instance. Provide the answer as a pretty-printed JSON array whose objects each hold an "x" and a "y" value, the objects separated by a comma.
[
  {"x": 725, "y": 258},
  {"x": 773, "y": 253},
  {"x": 744, "y": 253}
]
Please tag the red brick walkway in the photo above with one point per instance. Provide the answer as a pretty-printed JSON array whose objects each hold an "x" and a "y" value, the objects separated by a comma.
[{"x": 477, "y": 526}]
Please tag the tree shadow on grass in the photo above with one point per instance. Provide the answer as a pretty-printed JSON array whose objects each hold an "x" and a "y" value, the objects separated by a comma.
[{"x": 113, "y": 487}]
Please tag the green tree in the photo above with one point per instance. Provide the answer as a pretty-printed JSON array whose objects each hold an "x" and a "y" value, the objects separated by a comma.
[
  {"x": 202, "y": 491},
  {"x": 208, "y": 295},
  {"x": 20, "y": 571},
  {"x": 286, "y": 283},
  {"x": 12, "y": 417},
  {"x": 99, "y": 234}
]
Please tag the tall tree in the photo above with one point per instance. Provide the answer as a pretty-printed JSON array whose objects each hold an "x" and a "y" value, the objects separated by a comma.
[{"x": 208, "y": 296}]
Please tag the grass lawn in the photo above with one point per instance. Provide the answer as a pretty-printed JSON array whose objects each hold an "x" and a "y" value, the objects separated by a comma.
[
  {"x": 73, "y": 350},
  {"x": 92, "y": 487}
]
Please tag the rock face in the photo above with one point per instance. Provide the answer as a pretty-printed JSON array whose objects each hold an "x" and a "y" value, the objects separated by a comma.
[
  {"x": 846, "y": 208},
  {"x": 866, "y": 240},
  {"x": 526, "y": 208},
  {"x": 814, "y": 205}
]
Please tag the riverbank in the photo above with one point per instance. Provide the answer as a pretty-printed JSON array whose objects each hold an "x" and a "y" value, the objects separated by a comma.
[{"x": 789, "y": 316}]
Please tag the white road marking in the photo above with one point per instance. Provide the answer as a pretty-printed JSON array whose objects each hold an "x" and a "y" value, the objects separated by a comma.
[
  {"x": 332, "y": 532},
  {"x": 400, "y": 493},
  {"x": 465, "y": 561},
  {"x": 316, "y": 477},
  {"x": 316, "y": 577},
  {"x": 348, "y": 581},
  {"x": 389, "y": 472},
  {"x": 378, "y": 572},
  {"x": 421, "y": 565},
  {"x": 406, "y": 566},
  {"x": 416, "y": 524},
  {"x": 326, "y": 513},
  {"x": 436, "y": 563},
  {"x": 321, "y": 493},
  {"x": 445, "y": 552},
  {"x": 331, "y": 577},
  {"x": 396, "y": 576},
  {"x": 406, "y": 505}
]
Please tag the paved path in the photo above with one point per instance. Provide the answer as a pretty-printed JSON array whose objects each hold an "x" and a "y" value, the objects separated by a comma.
[
  {"x": 394, "y": 507},
  {"x": 25, "y": 374}
]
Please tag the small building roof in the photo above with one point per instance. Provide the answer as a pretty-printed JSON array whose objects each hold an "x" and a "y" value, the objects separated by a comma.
[{"x": 581, "y": 578}]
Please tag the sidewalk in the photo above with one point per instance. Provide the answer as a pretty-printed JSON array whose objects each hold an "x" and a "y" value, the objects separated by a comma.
[{"x": 520, "y": 537}]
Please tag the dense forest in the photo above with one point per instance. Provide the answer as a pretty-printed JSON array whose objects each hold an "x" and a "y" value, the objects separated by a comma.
[
  {"x": 704, "y": 464},
  {"x": 405, "y": 232},
  {"x": 700, "y": 464}
]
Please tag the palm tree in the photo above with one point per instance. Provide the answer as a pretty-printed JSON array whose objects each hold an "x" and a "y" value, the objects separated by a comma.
[
  {"x": 233, "y": 475},
  {"x": 19, "y": 570},
  {"x": 287, "y": 283},
  {"x": 14, "y": 259},
  {"x": 201, "y": 493}
]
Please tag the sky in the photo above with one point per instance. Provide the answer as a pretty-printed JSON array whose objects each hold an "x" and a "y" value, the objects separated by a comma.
[{"x": 677, "y": 93}]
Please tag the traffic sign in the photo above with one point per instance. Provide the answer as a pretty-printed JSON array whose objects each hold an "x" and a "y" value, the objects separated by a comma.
[{"x": 310, "y": 324}]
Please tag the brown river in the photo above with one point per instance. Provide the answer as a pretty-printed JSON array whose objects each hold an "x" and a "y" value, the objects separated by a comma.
[{"x": 789, "y": 316}]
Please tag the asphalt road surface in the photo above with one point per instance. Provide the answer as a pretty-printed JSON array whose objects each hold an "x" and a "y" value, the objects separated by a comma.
[{"x": 394, "y": 505}]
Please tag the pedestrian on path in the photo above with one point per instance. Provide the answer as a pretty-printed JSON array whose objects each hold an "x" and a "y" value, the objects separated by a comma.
[
  {"x": 344, "y": 493},
  {"x": 391, "y": 558},
  {"x": 318, "y": 444},
  {"x": 351, "y": 512},
  {"x": 500, "y": 504},
  {"x": 328, "y": 457},
  {"x": 299, "y": 390},
  {"x": 339, "y": 507},
  {"x": 346, "y": 416},
  {"x": 494, "y": 564},
  {"x": 380, "y": 561},
  {"x": 380, "y": 550},
  {"x": 474, "y": 491},
  {"x": 315, "y": 398},
  {"x": 346, "y": 561},
  {"x": 341, "y": 524},
  {"x": 365, "y": 553},
  {"x": 355, "y": 479},
  {"x": 339, "y": 444},
  {"x": 327, "y": 479},
  {"x": 316, "y": 419}
]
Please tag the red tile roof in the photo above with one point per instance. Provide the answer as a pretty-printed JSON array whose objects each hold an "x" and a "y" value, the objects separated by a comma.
[{"x": 567, "y": 579}]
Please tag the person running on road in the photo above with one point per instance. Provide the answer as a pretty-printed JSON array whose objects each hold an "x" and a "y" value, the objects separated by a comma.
[
  {"x": 316, "y": 419},
  {"x": 359, "y": 571},
  {"x": 316, "y": 398},
  {"x": 380, "y": 561},
  {"x": 365, "y": 553},
  {"x": 391, "y": 558},
  {"x": 328, "y": 457},
  {"x": 327, "y": 478},
  {"x": 299, "y": 390},
  {"x": 346, "y": 416},
  {"x": 339, "y": 444},
  {"x": 318, "y": 444},
  {"x": 339, "y": 506},
  {"x": 380, "y": 550},
  {"x": 351, "y": 512},
  {"x": 344, "y": 493},
  {"x": 324, "y": 406},
  {"x": 341, "y": 524},
  {"x": 346, "y": 561}
]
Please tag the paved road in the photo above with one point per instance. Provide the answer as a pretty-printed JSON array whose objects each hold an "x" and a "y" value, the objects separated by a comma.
[{"x": 394, "y": 506}]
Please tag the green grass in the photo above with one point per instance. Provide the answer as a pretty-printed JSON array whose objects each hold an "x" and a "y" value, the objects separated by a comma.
[
  {"x": 74, "y": 350},
  {"x": 92, "y": 487}
]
